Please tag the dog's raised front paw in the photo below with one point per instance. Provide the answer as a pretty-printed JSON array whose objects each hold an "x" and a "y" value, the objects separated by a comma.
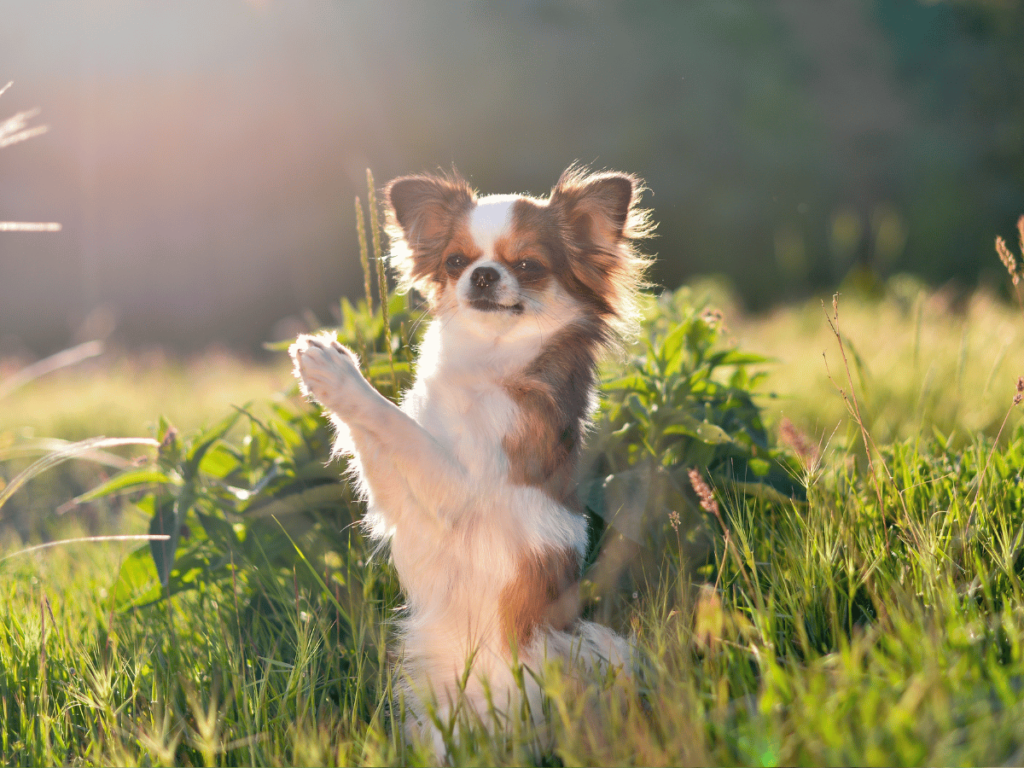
[{"x": 327, "y": 371}]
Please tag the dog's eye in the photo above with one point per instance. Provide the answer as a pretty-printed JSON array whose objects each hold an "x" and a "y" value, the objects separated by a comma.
[
  {"x": 529, "y": 266},
  {"x": 455, "y": 262}
]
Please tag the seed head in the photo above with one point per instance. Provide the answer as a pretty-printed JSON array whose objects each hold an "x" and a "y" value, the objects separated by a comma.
[
  {"x": 673, "y": 519},
  {"x": 713, "y": 317},
  {"x": 1007, "y": 257},
  {"x": 707, "y": 499},
  {"x": 796, "y": 440},
  {"x": 1020, "y": 386}
]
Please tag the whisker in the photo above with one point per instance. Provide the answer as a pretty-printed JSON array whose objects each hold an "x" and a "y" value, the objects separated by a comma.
[{"x": 421, "y": 319}]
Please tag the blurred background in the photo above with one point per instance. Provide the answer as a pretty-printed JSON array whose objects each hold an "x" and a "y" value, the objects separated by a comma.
[{"x": 203, "y": 157}]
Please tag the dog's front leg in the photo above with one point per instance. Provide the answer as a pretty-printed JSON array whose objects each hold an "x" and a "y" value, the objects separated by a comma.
[{"x": 396, "y": 455}]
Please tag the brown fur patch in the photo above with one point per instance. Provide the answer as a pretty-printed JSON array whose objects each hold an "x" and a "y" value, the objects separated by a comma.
[
  {"x": 545, "y": 591},
  {"x": 587, "y": 228},
  {"x": 523, "y": 250},
  {"x": 553, "y": 394},
  {"x": 461, "y": 242}
]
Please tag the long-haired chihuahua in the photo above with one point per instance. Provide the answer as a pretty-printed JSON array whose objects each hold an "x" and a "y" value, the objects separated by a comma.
[{"x": 471, "y": 481}]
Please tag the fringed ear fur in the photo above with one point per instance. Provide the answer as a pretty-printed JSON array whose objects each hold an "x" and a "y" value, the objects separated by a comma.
[
  {"x": 601, "y": 212},
  {"x": 596, "y": 205},
  {"x": 421, "y": 213}
]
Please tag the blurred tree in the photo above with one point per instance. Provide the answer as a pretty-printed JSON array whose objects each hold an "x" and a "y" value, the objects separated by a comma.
[
  {"x": 205, "y": 181},
  {"x": 962, "y": 65}
]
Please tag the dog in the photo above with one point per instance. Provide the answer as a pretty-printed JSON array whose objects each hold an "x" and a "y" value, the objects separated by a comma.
[{"x": 470, "y": 483}]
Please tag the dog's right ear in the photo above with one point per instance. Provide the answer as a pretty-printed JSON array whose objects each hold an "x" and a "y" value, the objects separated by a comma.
[
  {"x": 415, "y": 197},
  {"x": 421, "y": 214}
]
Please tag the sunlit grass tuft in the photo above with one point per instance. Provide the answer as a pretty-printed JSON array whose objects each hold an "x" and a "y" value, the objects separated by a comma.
[{"x": 918, "y": 363}]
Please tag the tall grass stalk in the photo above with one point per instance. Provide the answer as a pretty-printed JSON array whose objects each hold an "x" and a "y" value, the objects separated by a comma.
[
  {"x": 851, "y": 402},
  {"x": 382, "y": 277},
  {"x": 84, "y": 540},
  {"x": 364, "y": 257},
  {"x": 1014, "y": 267},
  {"x": 63, "y": 359},
  {"x": 1014, "y": 271}
]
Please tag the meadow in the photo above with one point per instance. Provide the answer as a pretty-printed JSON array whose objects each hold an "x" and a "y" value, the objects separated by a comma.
[{"x": 853, "y": 595}]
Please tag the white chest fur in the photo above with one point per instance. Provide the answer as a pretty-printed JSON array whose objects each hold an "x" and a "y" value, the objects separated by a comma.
[
  {"x": 469, "y": 421},
  {"x": 460, "y": 398},
  {"x": 456, "y": 523}
]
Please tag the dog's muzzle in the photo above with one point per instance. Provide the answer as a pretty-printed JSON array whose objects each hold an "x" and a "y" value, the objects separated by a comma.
[{"x": 485, "y": 284}]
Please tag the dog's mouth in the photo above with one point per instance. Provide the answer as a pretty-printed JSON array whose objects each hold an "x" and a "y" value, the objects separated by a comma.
[{"x": 486, "y": 305}]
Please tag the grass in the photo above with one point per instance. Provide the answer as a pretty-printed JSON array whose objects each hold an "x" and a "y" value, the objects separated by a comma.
[
  {"x": 917, "y": 364},
  {"x": 115, "y": 395},
  {"x": 121, "y": 395},
  {"x": 881, "y": 621}
]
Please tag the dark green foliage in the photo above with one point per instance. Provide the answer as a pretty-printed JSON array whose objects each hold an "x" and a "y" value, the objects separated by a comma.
[
  {"x": 683, "y": 400},
  {"x": 255, "y": 498}
]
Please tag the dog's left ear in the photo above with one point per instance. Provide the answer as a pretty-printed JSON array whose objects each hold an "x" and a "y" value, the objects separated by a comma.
[
  {"x": 596, "y": 206},
  {"x": 601, "y": 221}
]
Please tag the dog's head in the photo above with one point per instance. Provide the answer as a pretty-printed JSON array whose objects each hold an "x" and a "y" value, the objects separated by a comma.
[{"x": 501, "y": 259}]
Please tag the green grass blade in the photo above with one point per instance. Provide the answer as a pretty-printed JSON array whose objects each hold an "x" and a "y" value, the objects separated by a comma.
[
  {"x": 84, "y": 539},
  {"x": 62, "y": 359},
  {"x": 74, "y": 450},
  {"x": 126, "y": 480}
]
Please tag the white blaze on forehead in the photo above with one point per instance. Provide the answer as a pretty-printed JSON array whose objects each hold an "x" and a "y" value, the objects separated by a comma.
[{"x": 490, "y": 219}]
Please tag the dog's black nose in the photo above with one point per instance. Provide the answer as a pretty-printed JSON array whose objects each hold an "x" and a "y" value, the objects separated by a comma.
[{"x": 484, "y": 277}]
